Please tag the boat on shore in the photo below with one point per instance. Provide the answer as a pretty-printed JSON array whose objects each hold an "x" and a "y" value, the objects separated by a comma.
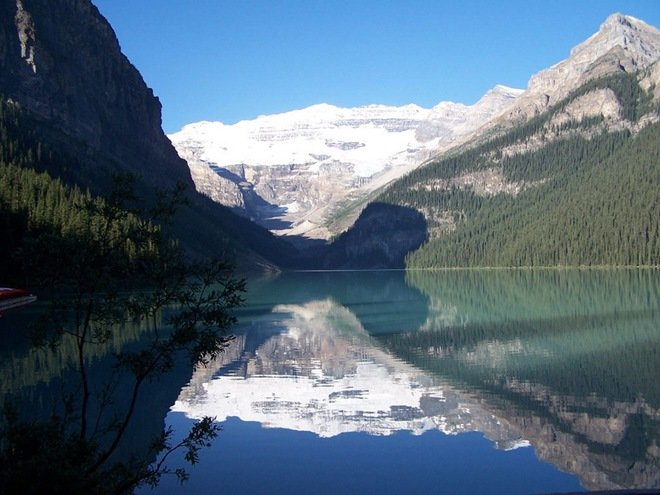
[{"x": 14, "y": 298}]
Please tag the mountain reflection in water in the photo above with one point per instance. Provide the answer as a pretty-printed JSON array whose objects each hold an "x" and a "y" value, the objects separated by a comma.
[{"x": 565, "y": 361}]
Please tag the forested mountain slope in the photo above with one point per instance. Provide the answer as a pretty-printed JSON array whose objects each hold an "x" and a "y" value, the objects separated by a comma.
[
  {"x": 44, "y": 188},
  {"x": 567, "y": 187},
  {"x": 73, "y": 106}
]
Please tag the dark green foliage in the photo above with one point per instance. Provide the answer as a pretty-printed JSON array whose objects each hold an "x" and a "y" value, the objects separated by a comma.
[
  {"x": 28, "y": 142},
  {"x": 203, "y": 228},
  {"x": 606, "y": 212},
  {"x": 106, "y": 263},
  {"x": 588, "y": 197},
  {"x": 39, "y": 216}
]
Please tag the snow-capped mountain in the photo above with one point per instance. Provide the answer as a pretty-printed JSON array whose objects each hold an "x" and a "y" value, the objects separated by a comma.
[
  {"x": 290, "y": 171},
  {"x": 295, "y": 173}
]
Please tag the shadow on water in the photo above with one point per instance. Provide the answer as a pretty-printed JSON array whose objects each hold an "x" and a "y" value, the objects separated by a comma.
[
  {"x": 37, "y": 380},
  {"x": 382, "y": 300}
]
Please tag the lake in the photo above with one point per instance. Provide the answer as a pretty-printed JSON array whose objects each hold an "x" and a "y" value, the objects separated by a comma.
[
  {"x": 500, "y": 381},
  {"x": 462, "y": 382}
]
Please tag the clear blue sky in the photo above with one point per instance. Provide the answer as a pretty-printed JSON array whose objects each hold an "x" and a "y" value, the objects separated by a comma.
[{"x": 230, "y": 60}]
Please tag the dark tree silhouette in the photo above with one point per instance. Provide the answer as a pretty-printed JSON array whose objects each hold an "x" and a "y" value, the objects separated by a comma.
[{"x": 116, "y": 267}]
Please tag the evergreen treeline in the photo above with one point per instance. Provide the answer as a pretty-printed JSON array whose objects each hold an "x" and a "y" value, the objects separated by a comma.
[
  {"x": 39, "y": 216},
  {"x": 94, "y": 255},
  {"x": 48, "y": 226},
  {"x": 588, "y": 197},
  {"x": 204, "y": 228},
  {"x": 31, "y": 143}
]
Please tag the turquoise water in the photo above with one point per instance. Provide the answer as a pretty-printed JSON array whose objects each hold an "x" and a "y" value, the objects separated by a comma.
[{"x": 448, "y": 382}]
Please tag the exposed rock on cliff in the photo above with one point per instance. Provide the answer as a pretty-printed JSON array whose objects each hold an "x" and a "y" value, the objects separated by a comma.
[
  {"x": 61, "y": 62},
  {"x": 292, "y": 172},
  {"x": 622, "y": 43}
]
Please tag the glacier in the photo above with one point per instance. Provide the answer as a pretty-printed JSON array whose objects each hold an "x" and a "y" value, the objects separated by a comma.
[{"x": 291, "y": 172}]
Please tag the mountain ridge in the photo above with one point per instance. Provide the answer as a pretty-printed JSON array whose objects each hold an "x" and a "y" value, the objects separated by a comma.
[
  {"x": 361, "y": 148},
  {"x": 622, "y": 42},
  {"x": 307, "y": 190},
  {"x": 62, "y": 70},
  {"x": 567, "y": 177},
  {"x": 100, "y": 116}
]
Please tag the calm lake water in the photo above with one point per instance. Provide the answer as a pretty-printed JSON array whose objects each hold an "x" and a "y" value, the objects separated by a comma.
[
  {"x": 458, "y": 382},
  {"x": 451, "y": 382}
]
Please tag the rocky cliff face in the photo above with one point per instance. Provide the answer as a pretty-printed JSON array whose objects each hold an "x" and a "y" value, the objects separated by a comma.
[
  {"x": 61, "y": 62},
  {"x": 622, "y": 43},
  {"x": 291, "y": 172}
]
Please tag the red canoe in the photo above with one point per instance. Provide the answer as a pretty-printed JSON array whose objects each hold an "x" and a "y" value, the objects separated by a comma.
[{"x": 14, "y": 298}]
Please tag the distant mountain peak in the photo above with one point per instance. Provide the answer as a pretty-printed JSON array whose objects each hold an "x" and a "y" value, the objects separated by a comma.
[
  {"x": 499, "y": 92},
  {"x": 623, "y": 43},
  {"x": 291, "y": 171},
  {"x": 501, "y": 88},
  {"x": 634, "y": 36},
  {"x": 294, "y": 172},
  {"x": 618, "y": 20}
]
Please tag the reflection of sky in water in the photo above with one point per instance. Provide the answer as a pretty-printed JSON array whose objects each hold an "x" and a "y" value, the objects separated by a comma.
[
  {"x": 566, "y": 363},
  {"x": 248, "y": 459}
]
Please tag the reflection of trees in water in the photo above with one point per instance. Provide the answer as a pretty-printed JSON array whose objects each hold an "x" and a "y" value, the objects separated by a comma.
[
  {"x": 24, "y": 365},
  {"x": 500, "y": 294},
  {"x": 613, "y": 357},
  {"x": 109, "y": 343},
  {"x": 568, "y": 356},
  {"x": 34, "y": 379}
]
